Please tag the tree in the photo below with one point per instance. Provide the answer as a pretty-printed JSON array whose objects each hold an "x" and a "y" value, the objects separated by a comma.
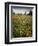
[
  {"x": 25, "y": 13},
  {"x": 13, "y": 13},
  {"x": 30, "y": 13}
]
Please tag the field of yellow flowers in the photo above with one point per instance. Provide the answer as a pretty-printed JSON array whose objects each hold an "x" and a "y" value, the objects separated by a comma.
[{"x": 21, "y": 26}]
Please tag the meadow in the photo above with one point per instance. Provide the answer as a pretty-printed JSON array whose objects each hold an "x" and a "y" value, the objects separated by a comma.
[{"x": 21, "y": 26}]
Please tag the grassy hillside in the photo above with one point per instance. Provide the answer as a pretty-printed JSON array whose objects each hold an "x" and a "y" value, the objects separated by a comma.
[{"x": 21, "y": 26}]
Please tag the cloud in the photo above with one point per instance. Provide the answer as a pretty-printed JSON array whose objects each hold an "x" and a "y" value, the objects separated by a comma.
[{"x": 21, "y": 10}]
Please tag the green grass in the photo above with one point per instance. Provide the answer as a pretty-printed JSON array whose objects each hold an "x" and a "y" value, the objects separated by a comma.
[{"x": 21, "y": 26}]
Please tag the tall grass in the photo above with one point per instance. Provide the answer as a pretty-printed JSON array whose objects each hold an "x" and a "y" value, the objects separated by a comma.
[{"x": 21, "y": 26}]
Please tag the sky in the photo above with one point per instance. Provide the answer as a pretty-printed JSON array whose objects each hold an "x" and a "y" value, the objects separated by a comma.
[{"x": 21, "y": 10}]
